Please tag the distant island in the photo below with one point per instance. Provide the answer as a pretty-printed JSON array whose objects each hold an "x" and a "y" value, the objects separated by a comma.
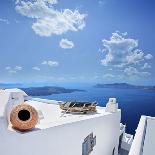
[
  {"x": 124, "y": 86},
  {"x": 47, "y": 90}
]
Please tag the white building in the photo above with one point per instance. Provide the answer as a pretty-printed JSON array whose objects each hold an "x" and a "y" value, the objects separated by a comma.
[
  {"x": 144, "y": 141},
  {"x": 60, "y": 133}
]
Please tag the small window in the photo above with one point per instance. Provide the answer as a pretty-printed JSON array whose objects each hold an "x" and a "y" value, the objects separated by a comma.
[{"x": 88, "y": 144}]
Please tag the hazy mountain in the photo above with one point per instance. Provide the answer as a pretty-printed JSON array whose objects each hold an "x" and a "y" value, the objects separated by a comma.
[
  {"x": 47, "y": 90},
  {"x": 124, "y": 86}
]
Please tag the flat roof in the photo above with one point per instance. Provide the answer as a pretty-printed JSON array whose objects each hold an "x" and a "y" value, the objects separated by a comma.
[{"x": 51, "y": 115}]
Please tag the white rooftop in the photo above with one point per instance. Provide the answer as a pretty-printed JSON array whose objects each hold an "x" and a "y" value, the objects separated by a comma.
[
  {"x": 51, "y": 114},
  {"x": 144, "y": 140}
]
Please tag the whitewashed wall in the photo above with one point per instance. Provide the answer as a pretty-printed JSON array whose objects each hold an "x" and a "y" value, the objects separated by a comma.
[{"x": 63, "y": 140}]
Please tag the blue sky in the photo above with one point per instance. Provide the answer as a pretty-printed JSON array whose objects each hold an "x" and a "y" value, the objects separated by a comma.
[{"x": 98, "y": 41}]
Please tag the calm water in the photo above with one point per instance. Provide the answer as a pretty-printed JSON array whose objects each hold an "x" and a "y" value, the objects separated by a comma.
[{"x": 133, "y": 102}]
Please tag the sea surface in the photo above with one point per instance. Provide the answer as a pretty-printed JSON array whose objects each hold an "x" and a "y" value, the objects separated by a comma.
[{"x": 132, "y": 102}]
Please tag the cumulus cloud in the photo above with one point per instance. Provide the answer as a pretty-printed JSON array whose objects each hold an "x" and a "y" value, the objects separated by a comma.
[
  {"x": 50, "y": 63},
  {"x": 4, "y": 21},
  {"x": 13, "y": 69},
  {"x": 121, "y": 50},
  {"x": 122, "y": 53},
  {"x": 66, "y": 44},
  {"x": 132, "y": 71},
  {"x": 146, "y": 66},
  {"x": 148, "y": 56},
  {"x": 36, "y": 68},
  {"x": 48, "y": 20}
]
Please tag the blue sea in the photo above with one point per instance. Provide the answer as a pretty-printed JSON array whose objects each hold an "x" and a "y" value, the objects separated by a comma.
[{"x": 132, "y": 102}]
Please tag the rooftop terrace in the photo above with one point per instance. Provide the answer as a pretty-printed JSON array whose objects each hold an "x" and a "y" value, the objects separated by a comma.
[{"x": 51, "y": 115}]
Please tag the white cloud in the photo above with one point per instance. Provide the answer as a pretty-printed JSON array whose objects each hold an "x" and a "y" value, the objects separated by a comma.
[
  {"x": 13, "y": 70},
  {"x": 117, "y": 48},
  {"x": 146, "y": 66},
  {"x": 148, "y": 56},
  {"x": 132, "y": 71},
  {"x": 108, "y": 76},
  {"x": 4, "y": 21},
  {"x": 122, "y": 51},
  {"x": 18, "y": 68},
  {"x": 36, "y": 68},
  {"x": 136, "y": 56},
  {"x": 50, "y": 63},
  {"x": 123, "y": 55},
  {"x": 48, "y": 20},
  {"x": 108, "y": 58},
  {"x": 49, "y": 1},
  {"x": 66, "y": 44},
  {"x": 8, "y": 68}
]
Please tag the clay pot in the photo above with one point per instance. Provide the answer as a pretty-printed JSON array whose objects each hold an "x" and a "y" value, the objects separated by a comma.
[{"x": 24, "y": 117}]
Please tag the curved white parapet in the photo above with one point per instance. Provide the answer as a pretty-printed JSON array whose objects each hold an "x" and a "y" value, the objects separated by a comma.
[
  {"x": 16, "y": 98},
  {"x": 137, "y": 145},
  {"x": 17, "y": 114}
]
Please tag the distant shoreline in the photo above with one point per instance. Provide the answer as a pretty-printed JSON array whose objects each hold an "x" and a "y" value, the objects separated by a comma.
[
  {"x": 48, "y": 90},
  {"x": 123, "y": 86}
]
